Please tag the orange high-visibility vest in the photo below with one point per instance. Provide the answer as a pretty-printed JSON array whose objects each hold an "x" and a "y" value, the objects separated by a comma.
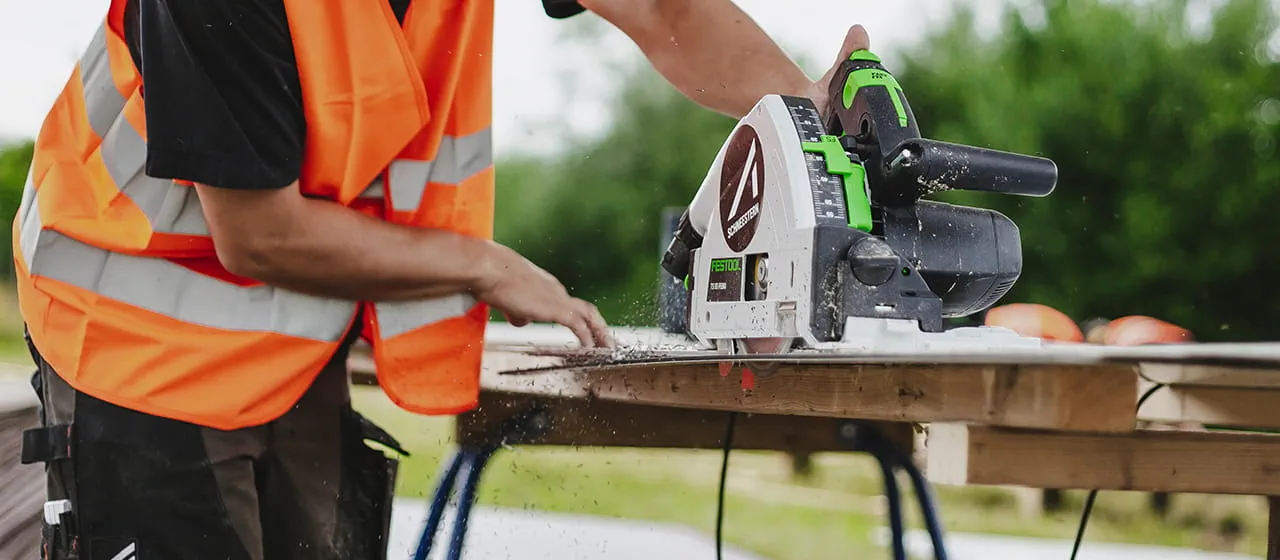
[{"x": 118, "y": 280}]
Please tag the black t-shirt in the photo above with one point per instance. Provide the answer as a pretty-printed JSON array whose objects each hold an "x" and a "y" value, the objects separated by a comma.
[{"x": 223, "y": 99}]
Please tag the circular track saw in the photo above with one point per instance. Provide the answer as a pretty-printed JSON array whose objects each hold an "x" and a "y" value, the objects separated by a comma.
[{"x": 815, "y": 235}]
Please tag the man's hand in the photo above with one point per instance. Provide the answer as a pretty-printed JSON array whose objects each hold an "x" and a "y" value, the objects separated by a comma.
[
  {"x": 820, "y": 91},
  {"x": 525, "y": 293}
]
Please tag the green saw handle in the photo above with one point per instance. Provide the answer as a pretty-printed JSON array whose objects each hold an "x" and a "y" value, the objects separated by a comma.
[{"x": 866, "y": 103}]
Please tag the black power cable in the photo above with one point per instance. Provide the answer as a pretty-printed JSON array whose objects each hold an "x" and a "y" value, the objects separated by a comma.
[
  {"x": 1093, "y": 494},
  {"x": 724, "y": 471},
  {"x": 1084, "y": 521}
]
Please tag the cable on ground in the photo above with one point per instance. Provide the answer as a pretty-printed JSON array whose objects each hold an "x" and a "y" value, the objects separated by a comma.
[{"x": 724, "y": 471}]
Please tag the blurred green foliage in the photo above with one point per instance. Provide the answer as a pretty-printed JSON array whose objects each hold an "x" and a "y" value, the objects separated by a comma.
[
  {"x": 1165, "y": 135},
  {"x": 14, "y": 162},
  {"x": 592, "y": 216}
]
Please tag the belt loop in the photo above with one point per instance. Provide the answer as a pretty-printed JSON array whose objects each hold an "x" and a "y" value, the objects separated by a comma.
[{"x": 46, "y": 444}]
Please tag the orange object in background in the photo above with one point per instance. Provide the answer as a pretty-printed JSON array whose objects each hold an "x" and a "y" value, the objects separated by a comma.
[
  {"x": 1035, "y": 320},
  {"x": 1135, "y": 330}
]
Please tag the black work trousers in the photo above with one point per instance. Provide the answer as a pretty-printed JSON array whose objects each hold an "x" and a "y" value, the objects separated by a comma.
[{"x": 141, "y": 487}]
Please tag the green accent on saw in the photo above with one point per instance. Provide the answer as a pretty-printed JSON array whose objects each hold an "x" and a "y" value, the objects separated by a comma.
[
  {"x": 829, "y": 146},
  {"x": 855, "y": 197},
  {"x": 857, "y": 206},
  {"x": 726, "y": 265},
  {"x": 876, "y": 77},
  {"x": 864, "y": 55}
]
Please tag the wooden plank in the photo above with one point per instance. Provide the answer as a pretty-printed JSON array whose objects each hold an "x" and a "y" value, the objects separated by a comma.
[
  {"x": 1219, "y": 406},
  {"x": 1098, "y": 398},
  {"x": 648, "y": 344},
  {"x": 1213, "y": 376},
  {"x": 1078, "y": 398},
  {"x": 563, "y": 384},
  {"x": 576, "y": 422},
  {"x": 1153, "y": 461}
]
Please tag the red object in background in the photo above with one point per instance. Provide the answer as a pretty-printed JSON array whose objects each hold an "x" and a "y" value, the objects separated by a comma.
[
  {"x": 1135, "y": 330},
  {"x": 1035, "y": 320}
]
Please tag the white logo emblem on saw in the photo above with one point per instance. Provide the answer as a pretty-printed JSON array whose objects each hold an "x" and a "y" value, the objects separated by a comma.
[{"x": 748, "y": 174}]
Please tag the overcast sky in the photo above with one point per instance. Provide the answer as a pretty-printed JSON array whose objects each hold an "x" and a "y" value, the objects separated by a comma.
[{"x": 42, "y": 39}]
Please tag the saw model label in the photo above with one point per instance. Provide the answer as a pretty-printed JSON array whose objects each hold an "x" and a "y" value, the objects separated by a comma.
[
  {"x": 741, "y": 188},
  {"x": 825, "y": 237},
  {"x": 724, "y": 281}
]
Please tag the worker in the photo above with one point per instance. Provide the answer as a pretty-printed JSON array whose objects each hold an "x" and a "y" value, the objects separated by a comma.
[
  {"x": 227, "y": 193},
  {"x": 1035, "y": 320}
]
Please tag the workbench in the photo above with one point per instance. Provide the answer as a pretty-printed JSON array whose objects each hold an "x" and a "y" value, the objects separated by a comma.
[{"x": 1063, "y": 416}]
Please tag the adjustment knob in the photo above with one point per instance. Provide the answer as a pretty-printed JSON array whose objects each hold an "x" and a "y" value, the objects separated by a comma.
[{"x": 873, "y": 261}]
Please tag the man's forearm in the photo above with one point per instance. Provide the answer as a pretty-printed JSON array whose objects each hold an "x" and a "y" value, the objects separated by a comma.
[
  {"x": 324, "y": 249},
  {"x": 710, "y": 50}
]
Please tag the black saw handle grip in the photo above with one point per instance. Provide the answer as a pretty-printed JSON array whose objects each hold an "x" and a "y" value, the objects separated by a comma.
[
  {"x": 865, "y": 101},
  {"x": 928, "y": 166},
  {"x": 869, "y": 108}
]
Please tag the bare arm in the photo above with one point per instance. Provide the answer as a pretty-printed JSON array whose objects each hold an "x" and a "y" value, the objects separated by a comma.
[
  {"x": 279, "y": 237},
  {"x": 713, "y": 52}
]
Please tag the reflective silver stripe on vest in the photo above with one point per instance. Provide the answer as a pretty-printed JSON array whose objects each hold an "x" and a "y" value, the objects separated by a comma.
[
  {"x": 174, "y": 291},
  {"x": 27, "y": 208},
  {"x": 170, "y": 207},
  {"x": 102, "y": 100},
  {"x": 401, "y": 317},
  {"x": 458, "y": 159},
  {"x": 374, "y": 190}
]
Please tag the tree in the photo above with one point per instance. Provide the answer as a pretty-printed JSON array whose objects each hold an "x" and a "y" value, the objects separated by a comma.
[
  {"x": 591, "y": 215},
  {"x": 1165, "y": 138},
  {"x": 14, "y": 162}
]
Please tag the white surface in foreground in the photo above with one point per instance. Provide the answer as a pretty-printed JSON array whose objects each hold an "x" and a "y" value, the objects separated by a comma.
[
  {"x": 967, "y": 546},
  {"x": 495, "y": 533},
  {"x": 535, "y": 535}
]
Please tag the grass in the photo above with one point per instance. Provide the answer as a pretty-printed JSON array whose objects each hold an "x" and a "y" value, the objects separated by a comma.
[{"x": 834, "y": 511}]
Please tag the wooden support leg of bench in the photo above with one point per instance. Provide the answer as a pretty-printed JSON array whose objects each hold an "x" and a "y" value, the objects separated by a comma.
[{"x": 1273, "y": 528}]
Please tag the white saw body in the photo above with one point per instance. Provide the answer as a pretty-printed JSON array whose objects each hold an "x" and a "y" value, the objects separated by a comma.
[
  {"x": 801, "y": 239},
  {"x": 770, "y": 222}
]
